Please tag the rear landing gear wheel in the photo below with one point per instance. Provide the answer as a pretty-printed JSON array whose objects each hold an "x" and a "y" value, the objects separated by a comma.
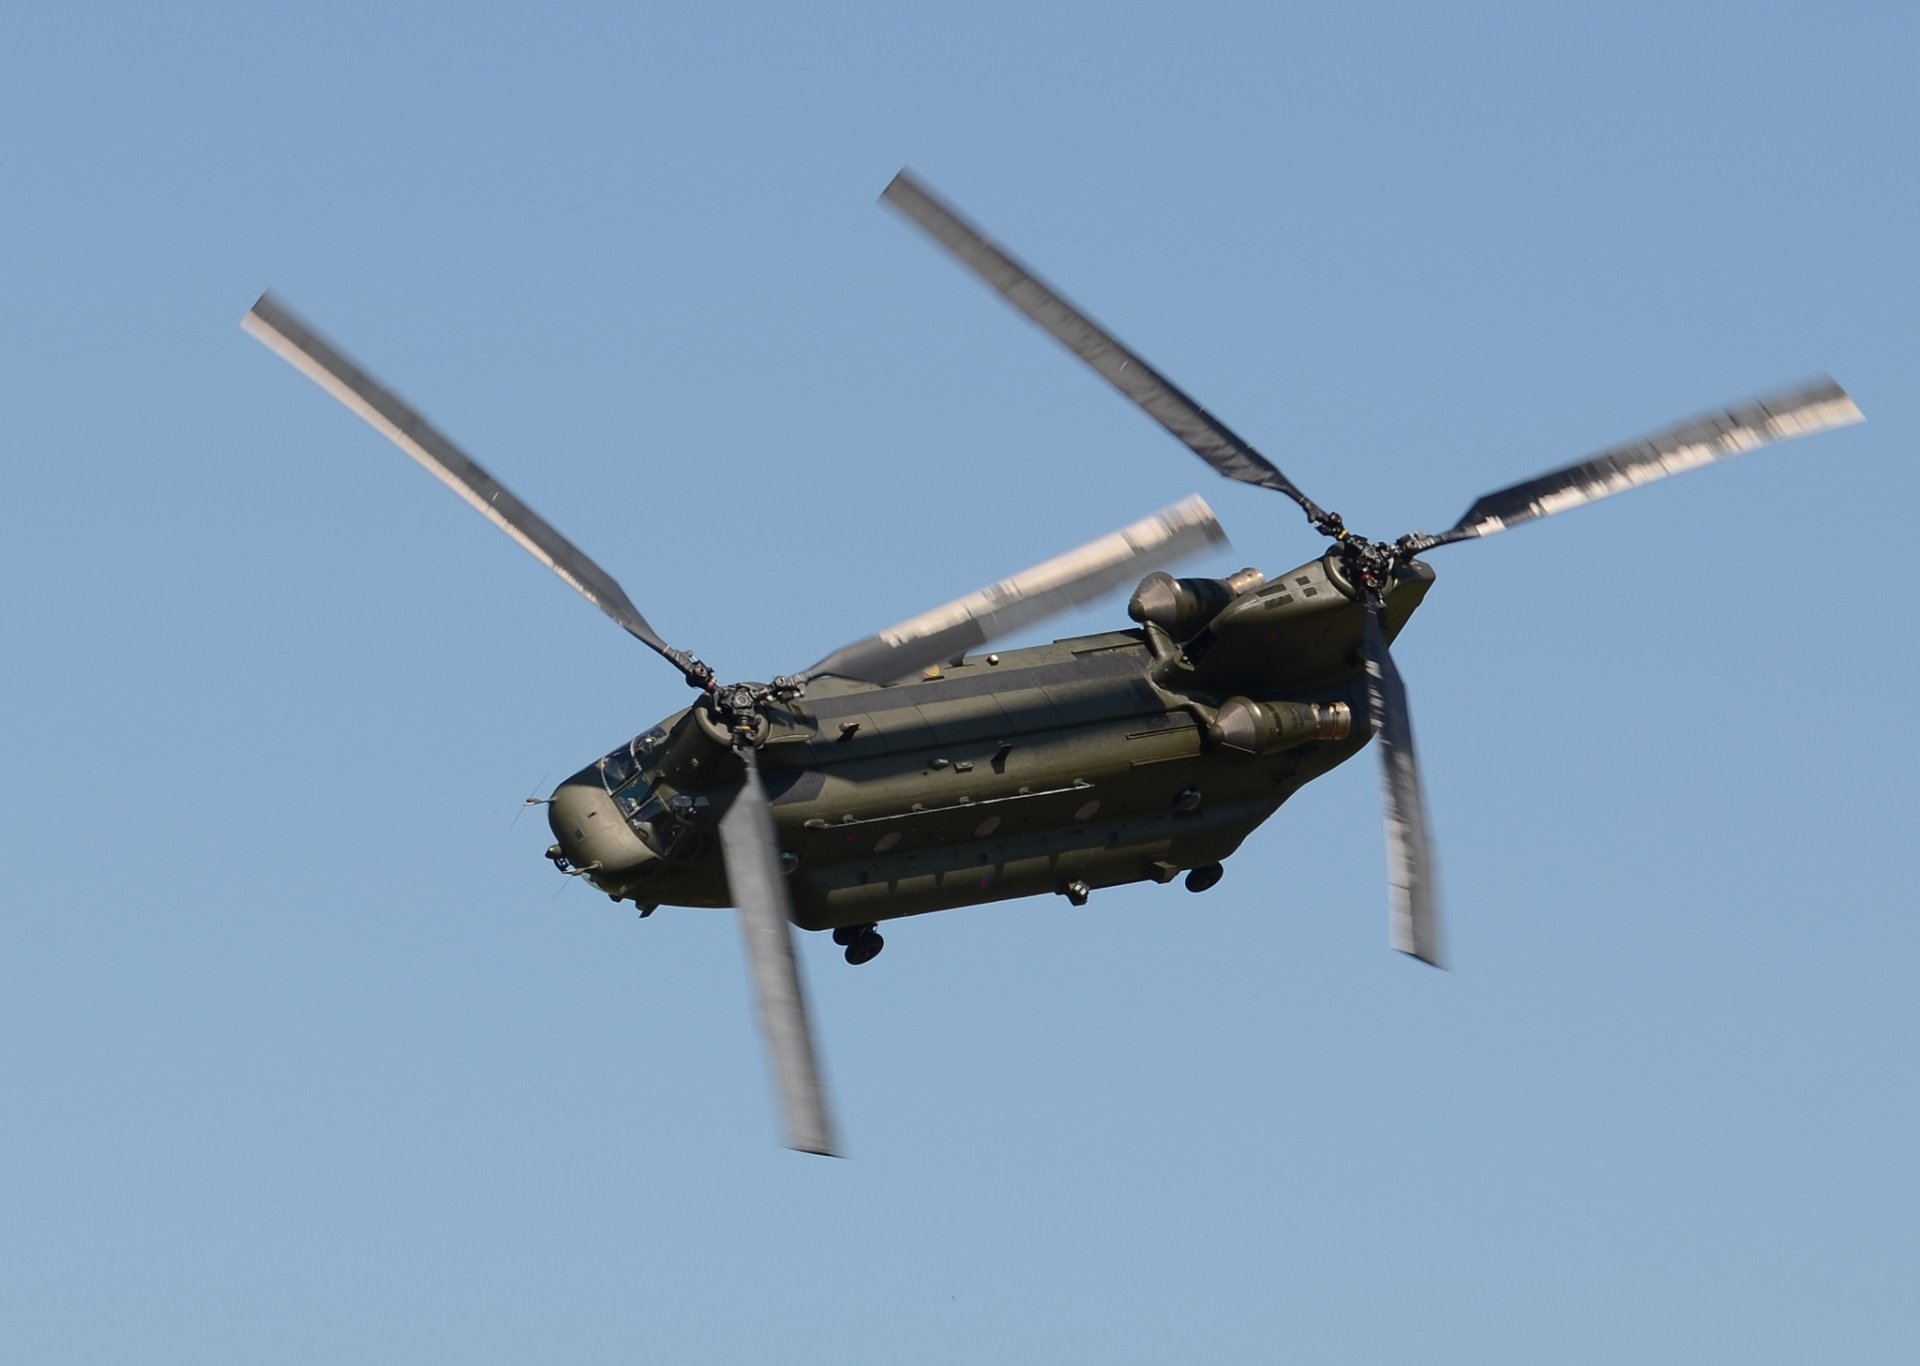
[
  {"x": 844, "y": 935},
  {"x": 1205, "y": 876},
  {"x": 866, "y": 948}
]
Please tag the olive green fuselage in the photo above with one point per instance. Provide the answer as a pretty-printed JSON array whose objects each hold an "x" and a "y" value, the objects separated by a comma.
[{"x": 1098, "y": 760}]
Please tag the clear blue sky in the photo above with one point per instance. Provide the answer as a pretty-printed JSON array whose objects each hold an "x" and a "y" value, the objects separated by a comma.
[{"x": 302, "y": 1058}]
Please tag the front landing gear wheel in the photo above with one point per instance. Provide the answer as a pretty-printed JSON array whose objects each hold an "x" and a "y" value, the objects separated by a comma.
[
  {"x": 1205, "y": 876},
  {"x": 866, "y": 948},
  {"x": 844, "y": 935}
]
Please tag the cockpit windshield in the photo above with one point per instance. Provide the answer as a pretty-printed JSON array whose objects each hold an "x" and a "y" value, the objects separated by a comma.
[
  {"x": 625, "y": 774},
  {"x": 629, "y": 762},
  {"x": 616, "y": 770}
]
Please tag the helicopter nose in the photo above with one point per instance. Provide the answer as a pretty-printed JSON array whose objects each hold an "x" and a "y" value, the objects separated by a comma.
[{"x": 589, "y": 830}]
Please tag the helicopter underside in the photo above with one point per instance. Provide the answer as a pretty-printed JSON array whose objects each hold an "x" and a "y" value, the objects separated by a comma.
[{"x": 1155, "y": 847}]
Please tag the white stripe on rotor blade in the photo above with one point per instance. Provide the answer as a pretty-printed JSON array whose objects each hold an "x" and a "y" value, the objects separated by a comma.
[
  {"x": 1075, "y": 577},
  {"x": 1694, "y": 443}
]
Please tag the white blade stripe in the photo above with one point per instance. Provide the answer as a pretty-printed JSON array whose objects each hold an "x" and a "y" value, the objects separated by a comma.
[
  {"x": 1801, "y": 411},
  {"x": 1078, "y": 575},
  {"x": 1031, "y": 596}
]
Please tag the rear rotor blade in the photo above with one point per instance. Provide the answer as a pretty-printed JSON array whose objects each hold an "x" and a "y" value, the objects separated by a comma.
[
  {"x": 1813, "y": 406},
  {"x": 1028, "y": 597},
  {"x": 1205, "y": 435},
  {"x": 309, "y": 353},
  {"x": 751, "y": 851},
  {"x": 1413, "y": 924}
]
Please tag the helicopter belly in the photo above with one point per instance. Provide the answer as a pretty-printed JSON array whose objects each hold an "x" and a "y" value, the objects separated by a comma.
[
  {"x": 1137, "y": 801},
  {"x": 1098, "y": 853}
]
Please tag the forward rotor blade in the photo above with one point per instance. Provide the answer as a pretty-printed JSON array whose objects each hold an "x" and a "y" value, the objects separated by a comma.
[
  {"x": 1806, "y": 408},
  {"x": 1028, "y": 597},
  {"x": 751, "y": 851},
  {"x": 1204, "y": 434},
  {"x": 1413, "y": 909},
  {"x": 309, "y": 353}
]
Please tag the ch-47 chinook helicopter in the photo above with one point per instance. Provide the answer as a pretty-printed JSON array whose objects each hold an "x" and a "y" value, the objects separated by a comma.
[{"x": 903, "y": 774}]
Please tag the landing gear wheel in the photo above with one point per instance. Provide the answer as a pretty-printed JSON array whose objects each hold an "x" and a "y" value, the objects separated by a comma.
[
  {"x": 1204, "y": 877},
  {"x": 866, "y": 948},
  {"x": 844, "y": 935}
]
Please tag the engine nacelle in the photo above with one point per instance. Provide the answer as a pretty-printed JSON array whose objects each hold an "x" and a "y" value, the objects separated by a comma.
[
  {"x": 1183, "y": 607},
  {"x": 1257, "y": 728}
]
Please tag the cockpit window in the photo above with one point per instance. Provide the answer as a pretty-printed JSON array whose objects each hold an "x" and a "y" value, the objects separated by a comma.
[
  {"x": 629, "y": 762},
  {"x": 630, "y": 783},
  {"x": 644, "y": 745},
  {"x": 616, "y": 770},
  {"x": 647, "y": 814}
]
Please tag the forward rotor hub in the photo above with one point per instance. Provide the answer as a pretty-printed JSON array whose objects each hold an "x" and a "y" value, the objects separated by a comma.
[
  {"x": 740, "y": 708},
  {"x": 1368, "y": 564}
]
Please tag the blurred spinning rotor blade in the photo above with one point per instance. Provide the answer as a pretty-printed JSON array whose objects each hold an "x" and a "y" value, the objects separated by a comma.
[
  {"x": 751, "y": 850},
  {"x": 1413, "y": 910},
  {"x": 1032, "y": 596},
  {"x": 1806, "y": 408},
  {"x": 309, "y": 353},
  {"x": 1202, "y": 433}
]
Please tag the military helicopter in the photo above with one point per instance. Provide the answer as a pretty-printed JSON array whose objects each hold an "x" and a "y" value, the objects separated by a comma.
[{"x": 907, "y": 772}]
